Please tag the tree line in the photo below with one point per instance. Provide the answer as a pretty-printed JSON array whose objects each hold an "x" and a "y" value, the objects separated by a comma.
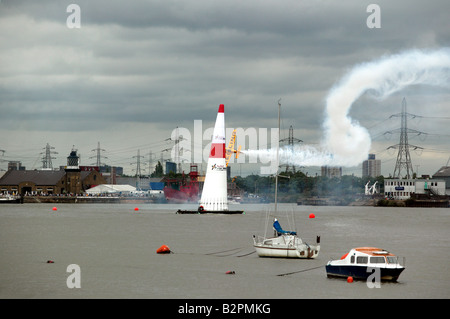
[{"x": 291, "y": 186}]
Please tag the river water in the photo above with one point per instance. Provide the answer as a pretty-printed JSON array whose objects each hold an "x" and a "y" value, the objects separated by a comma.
[{"x": 115, "y": 246}]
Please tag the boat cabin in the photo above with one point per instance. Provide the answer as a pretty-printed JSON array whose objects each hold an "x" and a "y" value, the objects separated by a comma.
[{"x": 370, "y": 255}]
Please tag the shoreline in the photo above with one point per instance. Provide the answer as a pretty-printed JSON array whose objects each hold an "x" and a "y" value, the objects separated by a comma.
[
  {"x": 154, "y": 200},
  {"x": 87, "y": 199}
]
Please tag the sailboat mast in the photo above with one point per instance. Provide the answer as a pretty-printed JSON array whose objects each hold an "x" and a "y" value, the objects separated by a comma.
[{"x": 276, "y": 173}]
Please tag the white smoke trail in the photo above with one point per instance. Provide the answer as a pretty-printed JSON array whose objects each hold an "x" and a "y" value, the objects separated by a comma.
[
  {"x": 345, "y": 142},
  {"x": 346, "y": 139}
]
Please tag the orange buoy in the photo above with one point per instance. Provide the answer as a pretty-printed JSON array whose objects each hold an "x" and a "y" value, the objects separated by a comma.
[
  {"x": 54, "y": 208},
  {"x": 163, "y": 250},
  {"x": 136, "y": 209},
  {"x": 349, "y": 279},
  {"x": 312, "y": 215}
]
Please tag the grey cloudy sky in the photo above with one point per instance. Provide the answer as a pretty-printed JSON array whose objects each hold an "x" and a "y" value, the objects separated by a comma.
[{"x": 136, "y": 70}]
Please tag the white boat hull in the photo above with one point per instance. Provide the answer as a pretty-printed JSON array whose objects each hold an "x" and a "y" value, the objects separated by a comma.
[{"x": 285, "y": 246}]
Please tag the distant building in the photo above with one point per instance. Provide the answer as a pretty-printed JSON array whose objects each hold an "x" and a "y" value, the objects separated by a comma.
[
  {"x": 142, "y": 183},
  {"x": 371, "y": 167},
  {"x": 444, "y": 174},
  {"x": 73, "y": 174},
  {"x": 45, "y": 182},
  {"x": 15, "y": 165},
  {"x": 399, "y": 188},
  {"x": 430, "y": 186},
  {"x": 118, "y": 170},
  {"x": 70, "y": 180},
  {"x": 171, "y": 167},
  {"x": 404, "y": 188},
  {"x": 331, "y": 171}
]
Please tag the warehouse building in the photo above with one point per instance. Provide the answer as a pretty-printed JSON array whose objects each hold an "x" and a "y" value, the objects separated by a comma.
[
  {"x": 405, "y": 188},
  {"x": 444, "y": 174},
  {"x": 72, "y": 179}
]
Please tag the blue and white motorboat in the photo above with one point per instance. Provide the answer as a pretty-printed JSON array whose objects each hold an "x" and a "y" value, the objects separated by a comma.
[{"x": 362, "y": 262}]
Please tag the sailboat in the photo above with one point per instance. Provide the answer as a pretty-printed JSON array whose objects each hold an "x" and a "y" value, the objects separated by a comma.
[
  {"x": 214, "y": 197},
  {"x": 284, "y": 243}
]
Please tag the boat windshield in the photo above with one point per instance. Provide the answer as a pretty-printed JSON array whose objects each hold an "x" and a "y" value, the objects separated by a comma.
[{"x": 392, "y": 259}]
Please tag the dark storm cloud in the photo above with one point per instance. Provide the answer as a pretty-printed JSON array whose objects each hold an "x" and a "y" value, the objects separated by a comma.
[{"x": 166, "y": 63}]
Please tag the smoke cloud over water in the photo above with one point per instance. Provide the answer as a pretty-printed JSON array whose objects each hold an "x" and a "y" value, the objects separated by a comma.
[{"x": 345, "y": 142}]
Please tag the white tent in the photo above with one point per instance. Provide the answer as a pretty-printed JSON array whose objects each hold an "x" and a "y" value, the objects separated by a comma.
[{"x": 110, "y": 189}]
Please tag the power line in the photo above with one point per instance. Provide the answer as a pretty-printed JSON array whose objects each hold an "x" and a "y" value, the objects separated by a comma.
[{"x": 434, "y": 117}]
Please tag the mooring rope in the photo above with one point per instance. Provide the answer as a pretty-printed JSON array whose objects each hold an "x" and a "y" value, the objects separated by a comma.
[
  {"x": 229, "y": 254},
  {"x": 247, "y": 254},
  {"x": 219, "y": 253},
  {"x": 225, "y": 251},
  {"x": 303, "y": 270},
  {"x": 234, "y": 251}
]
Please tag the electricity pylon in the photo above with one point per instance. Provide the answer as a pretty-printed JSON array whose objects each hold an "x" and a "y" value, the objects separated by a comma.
[
  {"x": 47, "y": 158},
  {"x": 291, "y": 139},
  {"x": 98, "y": 156},
  {"x": 138, "y": 169},
  {"x": 403, "y": 156}
]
